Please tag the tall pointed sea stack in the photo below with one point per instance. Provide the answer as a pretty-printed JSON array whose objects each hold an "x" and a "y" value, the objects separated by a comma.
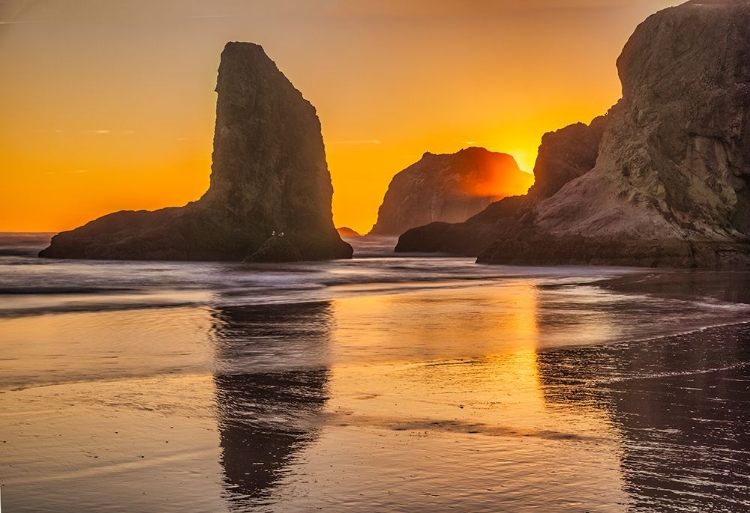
[
  {"x": 270, "y": 193},
  {"x": 671, "y": 181}
]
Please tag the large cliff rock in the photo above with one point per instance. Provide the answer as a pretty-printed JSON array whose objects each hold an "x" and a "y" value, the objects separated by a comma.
[
  {"x": 269, "y": 177},
  {"x": 449, "y": 188},
  {"x": 670, "y": 184}
]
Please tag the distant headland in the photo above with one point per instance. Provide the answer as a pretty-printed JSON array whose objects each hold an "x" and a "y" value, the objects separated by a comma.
[{"x": 449, "y": 188}]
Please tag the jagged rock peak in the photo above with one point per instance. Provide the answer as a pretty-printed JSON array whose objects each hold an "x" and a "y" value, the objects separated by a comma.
[{"x": 270, "y": 193}]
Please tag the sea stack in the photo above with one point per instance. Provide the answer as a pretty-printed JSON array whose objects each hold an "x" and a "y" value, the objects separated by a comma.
[
  {"x": 270, "y": 193},
  {"x": 449, "y": 188},
  {"x": 669, "y": 186},
  {"x": 345, "y": 231},
  {"x": 563, "y": 156}
]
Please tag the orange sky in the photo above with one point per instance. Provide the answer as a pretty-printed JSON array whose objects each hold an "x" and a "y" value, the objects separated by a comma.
[{"x": 110, "y": 105}]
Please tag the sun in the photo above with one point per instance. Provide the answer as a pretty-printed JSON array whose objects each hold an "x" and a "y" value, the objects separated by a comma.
[{"x": 525, "y": 157}]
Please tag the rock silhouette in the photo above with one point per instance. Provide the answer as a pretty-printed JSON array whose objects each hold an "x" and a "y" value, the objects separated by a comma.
[
  {"x": 449, "y": 188},
  {"x": 269, "y": 176},
  {"x": 345, "y": 231},
  {"x": 564, "y": 155},
  {"x": 670, "y": 183}
]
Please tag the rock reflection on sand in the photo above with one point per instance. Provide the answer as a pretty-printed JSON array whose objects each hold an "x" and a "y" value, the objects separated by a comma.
[
  {"x": 681, "y": 405},
  {"x": 269, "y": 387},
  {"x": 435, "y": 403}
]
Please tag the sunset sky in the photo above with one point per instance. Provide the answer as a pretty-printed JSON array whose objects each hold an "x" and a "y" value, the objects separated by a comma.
[{"x": 109, "y": 105}]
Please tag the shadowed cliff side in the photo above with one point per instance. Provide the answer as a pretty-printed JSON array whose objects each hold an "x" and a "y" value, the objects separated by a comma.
[
  {"x": 449, "y": 188},
  {"x": 669, "y": 187},
  {"x": 269, "y": 177}
]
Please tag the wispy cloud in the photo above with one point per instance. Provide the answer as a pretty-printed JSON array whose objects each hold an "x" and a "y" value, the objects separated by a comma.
[
  {"x": 359, "y": 142},
  {"x": 98, "y": 132}
]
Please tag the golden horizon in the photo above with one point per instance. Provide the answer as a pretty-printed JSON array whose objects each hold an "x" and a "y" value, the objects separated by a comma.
[{"x": 113, "y": 110}]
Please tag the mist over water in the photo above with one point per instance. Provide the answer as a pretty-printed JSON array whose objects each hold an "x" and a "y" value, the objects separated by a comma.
[{"x": 389, "y": 382}]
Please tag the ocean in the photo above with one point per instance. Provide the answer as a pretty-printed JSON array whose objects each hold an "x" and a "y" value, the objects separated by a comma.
[{"x": 385, "y": 383}]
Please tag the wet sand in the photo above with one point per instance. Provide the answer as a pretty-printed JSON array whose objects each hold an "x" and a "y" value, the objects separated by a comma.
[
  {"x": 728, "y": 286},
  {"x": 521, "y": 395}
]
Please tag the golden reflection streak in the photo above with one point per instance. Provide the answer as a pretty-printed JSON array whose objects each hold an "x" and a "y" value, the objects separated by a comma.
[
  {"x": 444, "y": 386},
  {"x": 469, "y": 354}
]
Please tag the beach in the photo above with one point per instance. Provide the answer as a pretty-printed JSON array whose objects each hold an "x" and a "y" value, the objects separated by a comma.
[{"x": 388, "y": 383}]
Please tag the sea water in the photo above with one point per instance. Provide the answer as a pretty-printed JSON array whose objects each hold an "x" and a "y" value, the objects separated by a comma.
[{"x": 383, "y": 383}]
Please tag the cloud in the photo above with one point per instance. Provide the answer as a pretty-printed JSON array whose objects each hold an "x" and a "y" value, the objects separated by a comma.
[
  {"x": 359, "y": 142},
  {"x": 98, "y": 132}
]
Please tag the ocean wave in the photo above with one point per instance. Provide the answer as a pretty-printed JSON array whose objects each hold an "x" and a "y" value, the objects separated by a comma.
[
  {"x": 113, "y": 306},
  {"x": 62, "y": 290}
]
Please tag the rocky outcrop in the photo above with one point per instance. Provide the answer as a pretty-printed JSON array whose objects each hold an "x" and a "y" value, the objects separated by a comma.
[
  {"x": 269, "y": 178},
  {"x": 563, "y": 156},
  {"x": 670, "y": 184},
  {"x": 449, "y": 188},
  {"x": 345, "y": 231}
]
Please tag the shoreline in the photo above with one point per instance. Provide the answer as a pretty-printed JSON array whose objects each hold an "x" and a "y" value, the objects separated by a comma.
[{"x": 720, "y": 285}]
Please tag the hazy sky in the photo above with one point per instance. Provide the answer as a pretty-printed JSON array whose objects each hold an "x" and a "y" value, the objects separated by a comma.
[{"x": 109, "y": 104}]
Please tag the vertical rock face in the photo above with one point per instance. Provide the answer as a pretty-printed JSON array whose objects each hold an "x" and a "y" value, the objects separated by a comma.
[
  {"x": 269, "y": 177},
  {"x": 565, "y": 155},
  {"x": 670, "y": 184},
  {"x": 449, "y": 188}
]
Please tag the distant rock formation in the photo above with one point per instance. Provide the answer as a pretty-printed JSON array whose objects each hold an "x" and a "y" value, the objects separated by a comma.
[
  {"x": 449, "y": 188},
  {"x": 270, "y": 193},
  {"x": 670, "y": 182},
  {"x": 345, "y": 231},
  {"x": 564, "y": 155}
]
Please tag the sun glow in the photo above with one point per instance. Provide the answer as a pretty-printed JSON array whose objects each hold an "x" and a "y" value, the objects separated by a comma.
[
  {"x": 113, "y": 110},
  {"x": 526, "y": 157},
  {"x": 500, "y": 184}
]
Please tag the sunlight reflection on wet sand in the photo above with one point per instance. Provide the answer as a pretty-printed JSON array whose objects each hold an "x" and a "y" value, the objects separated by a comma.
[
  {"x": 446, "y": 411},
  {"x": 418, "y": 401}
]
